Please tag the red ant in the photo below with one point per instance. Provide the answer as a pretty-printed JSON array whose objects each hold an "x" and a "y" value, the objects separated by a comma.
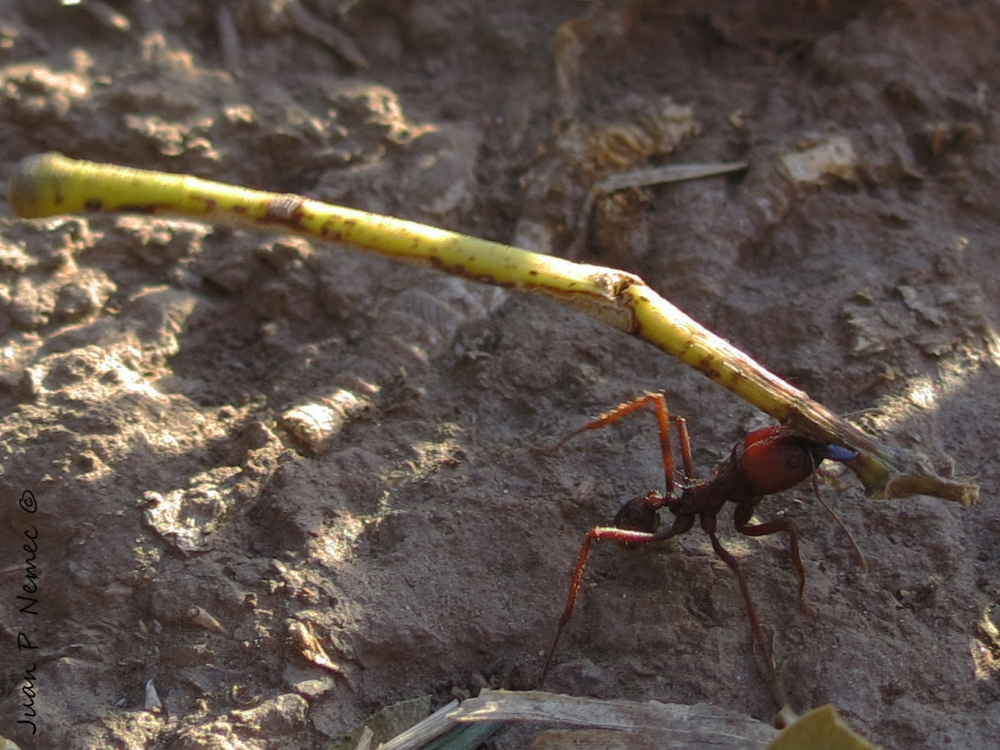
[{"x": 769, "y": 460}]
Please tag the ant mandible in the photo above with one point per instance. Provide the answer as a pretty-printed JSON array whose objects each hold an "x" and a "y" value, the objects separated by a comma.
[{"x": 769, "y": 460}]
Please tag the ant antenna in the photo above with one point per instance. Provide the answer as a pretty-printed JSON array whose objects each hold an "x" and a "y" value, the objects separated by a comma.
[{"x": 862, "y": 562}]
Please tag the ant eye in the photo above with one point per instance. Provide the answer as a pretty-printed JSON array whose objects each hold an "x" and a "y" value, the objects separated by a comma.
[{"x": 793, "y": 461}]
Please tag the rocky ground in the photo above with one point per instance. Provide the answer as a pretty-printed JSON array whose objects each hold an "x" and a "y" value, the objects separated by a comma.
[{"x": 156, "y": 376}]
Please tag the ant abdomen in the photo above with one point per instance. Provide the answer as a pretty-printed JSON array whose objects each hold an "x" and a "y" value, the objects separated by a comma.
[{"x": 639, "y": 514}]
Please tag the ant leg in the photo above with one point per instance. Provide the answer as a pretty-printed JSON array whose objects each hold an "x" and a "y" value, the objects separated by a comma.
[
  {"x": 681, "y": 525},
  {"x": 743, "y": 525},
  {"x": 708, "y": 524},
  {"x": 663, "y": 418},
  {"x": 685, "y": 440}
]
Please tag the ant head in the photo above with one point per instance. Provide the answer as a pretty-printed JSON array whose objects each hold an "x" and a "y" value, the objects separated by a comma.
[{"x": 775, "y": 459}]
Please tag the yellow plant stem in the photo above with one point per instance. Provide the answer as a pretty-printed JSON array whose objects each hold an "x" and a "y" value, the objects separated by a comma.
[{"x": 51, "y": 184}]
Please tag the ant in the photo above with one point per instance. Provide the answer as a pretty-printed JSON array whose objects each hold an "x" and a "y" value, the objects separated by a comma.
[{"x": 768, "y": 461}]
